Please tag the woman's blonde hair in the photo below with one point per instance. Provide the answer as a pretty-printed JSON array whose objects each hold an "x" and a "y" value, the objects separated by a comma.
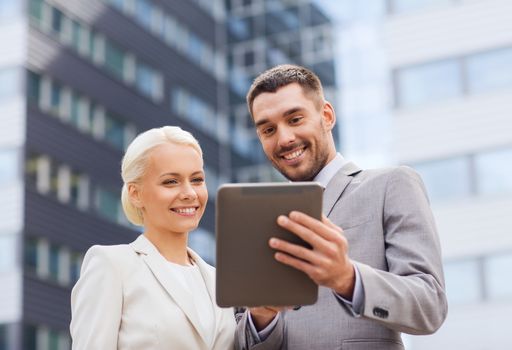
[{"x": 135, "y": 161}]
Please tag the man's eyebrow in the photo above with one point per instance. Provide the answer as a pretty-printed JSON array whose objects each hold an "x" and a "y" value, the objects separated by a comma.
[{"x": 288, "y": 112}]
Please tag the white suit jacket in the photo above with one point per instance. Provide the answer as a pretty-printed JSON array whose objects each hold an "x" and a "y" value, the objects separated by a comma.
[{"x": 127, "y": 298}]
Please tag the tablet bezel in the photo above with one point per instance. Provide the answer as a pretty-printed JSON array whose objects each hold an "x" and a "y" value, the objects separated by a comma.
[{"x": 247, "y": 272}]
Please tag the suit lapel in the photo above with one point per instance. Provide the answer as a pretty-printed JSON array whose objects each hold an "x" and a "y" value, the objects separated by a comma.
[
  {"x": 209, "y": 280},
  {"x": 337, "y": 185},
  {"x": 157, "y": 264}
]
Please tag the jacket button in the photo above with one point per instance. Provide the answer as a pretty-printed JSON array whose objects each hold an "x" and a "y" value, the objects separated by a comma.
[{"x": 377, "y": 311}]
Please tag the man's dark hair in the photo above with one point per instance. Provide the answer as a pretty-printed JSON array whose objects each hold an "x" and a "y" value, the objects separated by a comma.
[{"x": 282, "y": 75}]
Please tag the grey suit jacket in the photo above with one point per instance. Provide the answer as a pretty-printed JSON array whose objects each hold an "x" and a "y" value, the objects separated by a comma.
[{"x": 386, "y": 217}]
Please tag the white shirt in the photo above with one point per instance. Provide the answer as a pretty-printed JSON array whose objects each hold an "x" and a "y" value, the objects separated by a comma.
[{"x": 190, "y": 279}]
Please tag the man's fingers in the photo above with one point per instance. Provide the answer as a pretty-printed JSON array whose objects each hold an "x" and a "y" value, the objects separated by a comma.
[
  {"x": 308, "y": 228},
  {"x": 294, "y": 262},
  {"x": 329, "y": 223},
  {"x": 300, "y": 230},
  {"x": 294, "y": 250}
]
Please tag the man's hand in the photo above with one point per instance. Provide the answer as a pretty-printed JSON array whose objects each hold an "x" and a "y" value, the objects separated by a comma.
[
  {"x": 327, "y": 263},
  {"x": 262, "y": 316}
]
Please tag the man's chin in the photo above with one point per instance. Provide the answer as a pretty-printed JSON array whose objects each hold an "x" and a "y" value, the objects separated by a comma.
[{"x": 297, "y": 174}]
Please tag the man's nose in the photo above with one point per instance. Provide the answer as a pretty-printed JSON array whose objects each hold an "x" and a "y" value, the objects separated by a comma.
[{"x": 286, "y": 136}]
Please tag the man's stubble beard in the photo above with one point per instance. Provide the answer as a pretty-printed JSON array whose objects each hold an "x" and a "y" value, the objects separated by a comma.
[{"x": 317, "y": 164}]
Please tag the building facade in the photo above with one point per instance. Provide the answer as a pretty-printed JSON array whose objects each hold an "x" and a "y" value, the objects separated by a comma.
[
  {"x": 262, "y": 34},
  {"x": 434, "y": 91},
  {"x": 78, "y": 81}
]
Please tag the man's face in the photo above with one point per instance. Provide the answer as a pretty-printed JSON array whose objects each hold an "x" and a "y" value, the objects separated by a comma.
[{"x": 294, "y": 132}]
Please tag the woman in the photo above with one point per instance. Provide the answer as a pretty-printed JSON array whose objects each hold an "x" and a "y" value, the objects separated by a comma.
[{"x": 154, "y": 293}]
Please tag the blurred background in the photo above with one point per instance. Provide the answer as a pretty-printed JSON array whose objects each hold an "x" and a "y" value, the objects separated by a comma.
[{"x": 427, "y": 83}]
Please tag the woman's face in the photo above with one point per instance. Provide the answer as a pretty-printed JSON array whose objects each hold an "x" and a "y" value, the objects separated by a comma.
[{"x": 172, "y": 193}]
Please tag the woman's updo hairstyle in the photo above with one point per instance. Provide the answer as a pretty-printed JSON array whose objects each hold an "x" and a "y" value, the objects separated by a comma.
[{"x": 135, "y": 161}]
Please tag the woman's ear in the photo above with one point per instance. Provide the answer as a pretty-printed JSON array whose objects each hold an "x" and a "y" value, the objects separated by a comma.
[{"x": 134, "y": 195}]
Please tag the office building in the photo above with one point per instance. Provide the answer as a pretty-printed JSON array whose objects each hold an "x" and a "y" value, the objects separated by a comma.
[
  {"x": 262, "y": 34},
  {"x": 78, "y": 80},
  {"x": 429, "y": 84}
]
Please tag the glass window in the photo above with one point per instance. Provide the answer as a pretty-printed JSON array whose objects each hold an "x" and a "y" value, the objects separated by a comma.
[
  {"x": 76, "y": 36},
  {"x": 8, "y": 83},
  {"x": 76, "y": 263},
  {"x": 108, "y": 204},
  {"x": 496, "y": 269},
  {"x": 428, "y": 83},
  {"x": 119, "y": 4},
  {"x": 75, "y": 110},
  {"x": 54, "y": 262},
  {"x": 449, "y": 178},
  {"x": 170, "y": 28},
  {"x": 74, "y": 187},
  {"x": 114, "y": 131},
  {"x": 143, "y": 10},
  {"x": 30, "y": 253},
  {"x": 240, "y": 27},
  {"x": 34, "y": 87},
  {"x": 57, "y": 20},
  {"x": 31, "y": 170},
  {"x": 463, "y": 281},
  {"x": 30, "y": 337},
  {"x": 493, "y": 171},
  {"x": 147, "y": 81},
  {"x": 195, "y": 47},
  {"x": 3, "y": 337},
  {"x": 114, "y": 59},
  {"x": 490, "y": 70},
  {"x": 7, "y": 251},
  {"x": 401, "y": 6},
  {"x": 53, "y": 340},
  {"x": 55, "y": 97},
  {"x": 9, "y": 166},
  {"x": 35, "y": 9}
]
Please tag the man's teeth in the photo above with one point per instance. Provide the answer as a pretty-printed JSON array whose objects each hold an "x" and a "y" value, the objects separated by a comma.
[
  {"x": 293, "y": 155},
  {"x": 185, "y": 210}
]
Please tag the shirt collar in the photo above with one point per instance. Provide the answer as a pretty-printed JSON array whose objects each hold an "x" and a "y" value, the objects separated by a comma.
[{"x": 327, "y": 173}]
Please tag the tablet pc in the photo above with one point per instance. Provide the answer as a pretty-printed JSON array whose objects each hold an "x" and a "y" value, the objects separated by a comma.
[{"x": 247, "y": 273}]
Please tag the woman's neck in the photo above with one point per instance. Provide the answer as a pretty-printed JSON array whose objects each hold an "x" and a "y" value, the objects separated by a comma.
[{"x": 172, "y": 246}]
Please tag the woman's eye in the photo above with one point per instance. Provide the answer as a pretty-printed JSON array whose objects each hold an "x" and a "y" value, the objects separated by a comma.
[
  {"x": 198, "y": 180},
  {"x": 170, "y": 182}
]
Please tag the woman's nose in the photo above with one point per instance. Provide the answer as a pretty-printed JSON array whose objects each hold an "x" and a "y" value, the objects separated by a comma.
[{"x": 188, "y": 192}]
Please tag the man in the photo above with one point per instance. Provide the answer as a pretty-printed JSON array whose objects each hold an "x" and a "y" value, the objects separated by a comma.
[{"x": 375, "y": 254}]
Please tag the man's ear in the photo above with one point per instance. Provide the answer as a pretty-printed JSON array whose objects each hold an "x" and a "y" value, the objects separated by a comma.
[
  {"x": 328, "y": 115},
  {"x": 134, "y": 195}
]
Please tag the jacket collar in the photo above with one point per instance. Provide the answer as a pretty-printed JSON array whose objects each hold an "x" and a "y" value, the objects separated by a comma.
[
  {"x": 337, "y": 185},
  {"x": 158, "y": 266}
]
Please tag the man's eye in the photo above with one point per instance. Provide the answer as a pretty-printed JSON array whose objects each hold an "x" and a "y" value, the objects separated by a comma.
[
  {"x": 268, "y": 131},
  {"x": 295, "y": 120}
]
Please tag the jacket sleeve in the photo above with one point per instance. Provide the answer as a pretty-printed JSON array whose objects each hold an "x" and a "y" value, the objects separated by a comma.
[
  {"x": 245, "y": 340},
  {"x": 96, "y": 303},
  {"x": 410, "y": 296}
]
